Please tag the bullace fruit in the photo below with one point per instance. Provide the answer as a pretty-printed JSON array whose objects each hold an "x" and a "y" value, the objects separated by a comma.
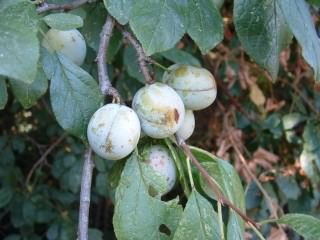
[
  {"x": 70, "y": 43},
  {"x": 113, "y": 131},
  {"x": 160, "y": 110},
  {"x": 196, "y": 86},
  {"x": 187, "y": 127},
  {"x": 159, "y": 158}
]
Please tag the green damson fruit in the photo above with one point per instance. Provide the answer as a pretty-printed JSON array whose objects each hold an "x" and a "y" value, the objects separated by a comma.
[
  {"x": 196, "y": 86},
  {"x": 187, "y": 127},
  {"x": 159, "y": 158},
  {"x": 70, "y": 43},
  {"x": 113, "y": 131},
  {"x": 160, "y": 110}
]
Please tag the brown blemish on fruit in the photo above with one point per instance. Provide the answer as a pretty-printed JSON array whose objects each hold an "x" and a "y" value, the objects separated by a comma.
[
  {"x": 73, "y": 39},
  {"x": 176, "y": 115},
  {"x": 181, "y": 71},
  {"x": 101, "y": 125},
  {"x": 108, "y": 146}
]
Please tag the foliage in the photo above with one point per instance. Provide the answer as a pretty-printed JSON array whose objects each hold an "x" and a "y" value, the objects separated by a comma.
[{"x": 269, "y": 117}]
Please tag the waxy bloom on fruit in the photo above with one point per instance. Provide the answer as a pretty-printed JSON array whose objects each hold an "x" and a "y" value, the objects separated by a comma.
[
  {"x": 196, "y": 86},
  {"x": 70, "y": 43},
  {"x": 159, "y": 158},
  {"x": 113, "y": 131},
  {"x": 160, "y": 110},
  {"x": 187, "y": 127}
]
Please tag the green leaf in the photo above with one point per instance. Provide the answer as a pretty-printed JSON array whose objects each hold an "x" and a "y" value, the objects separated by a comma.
[
  {"x": 179, "y": 56},
  {"x": 6, "y": 195},
  {"x": 119, "y": 9},
  {"x": 3, "y": 93},
  {"x": 205, "y": 25},
  {"x": 95, "y": 234},
  {"x": 262, "y": 31},
  {"x": 63, "y": 21},
  {"x": 230, "y": 184},
  {"x": 74, "y": 95},
  {"x": 131, "y": 64},
  {"x": 28, "y": 93},
  {"x": 297, "y": 15},
  {"x": 307, "y": 226},
  {"x": 289, "y": 186},
  {"x": 137, "y": 214},
  {"x": 158, "y": 24},
  {"x": 19, "y": 45},
  {"x": 198, "y": 221}
]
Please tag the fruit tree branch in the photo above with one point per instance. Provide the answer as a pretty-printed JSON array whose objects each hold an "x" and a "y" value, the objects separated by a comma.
[
  {"x": 214, "y": 187},
  {"x": 86, "y": 179},
  {"x": 44, "y": 7},
  {"x": 142, "y": 58},
  {"x": 104, "y": 81},
  {"x": 106, "y": 89}
]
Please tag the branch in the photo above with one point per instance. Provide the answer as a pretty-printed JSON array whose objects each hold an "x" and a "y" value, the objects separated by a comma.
[
  {"x": 106, "y": 89},
  {"x": 214, "y": 187},
  {"x": 142, "y": 58},
  {"x": 43, "y": 157},
  {"x": 86, "y": 179},
  {"x": 65, "y": 7},
  {"x": 104, "y": 81}
]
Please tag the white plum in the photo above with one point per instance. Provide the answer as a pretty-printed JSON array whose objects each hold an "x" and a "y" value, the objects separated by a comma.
[
  {"x": 113, "y": 131},
  {"x": 187, "y": 127},
  {"x": 160, "y": 110},
  {"x": 196, "y": 86},
  {"x": 70, "y": 43},
  {"x": 159, "y": 158}
]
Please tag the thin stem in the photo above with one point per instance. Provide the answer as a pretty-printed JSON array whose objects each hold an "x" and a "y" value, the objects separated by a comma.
[
  {"x": 256, "y": 231},
  {"x": 85, "y": 195},
  {"x": 254, "y": 178},
  {"x": 104, "y": 81},
  {"x": 44, "y": 7},
  {"x": 179, "y": 165},
  {"x": 190, "y": 172},
  {"x": 214, "y": 187},
  {"x": 220, "y": 220},
  {"x": 154, "y": 62},
  {"x": 142, "y": 58},
  {"x": 44, "y": 156}
]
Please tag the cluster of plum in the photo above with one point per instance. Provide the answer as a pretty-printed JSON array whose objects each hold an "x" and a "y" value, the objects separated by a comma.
[{"x": 159, "y": 110}]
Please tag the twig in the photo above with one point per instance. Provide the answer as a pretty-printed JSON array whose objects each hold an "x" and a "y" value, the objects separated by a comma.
[
  {"x": 44, "y": 156},
  {"x": 254, "y": 178},
  {"x": 104, "y": 81},
  {"x": 44, "y": 7},
  {"x": 142, "y": 58},
  {"x": 86, "y": 179},
  {"x": 106, "y": 89},
  {"x": 214, "y": 187}
]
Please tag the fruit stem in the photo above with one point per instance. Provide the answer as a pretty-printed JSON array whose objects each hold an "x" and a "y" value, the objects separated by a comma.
[{"x": 190, "y": 172}]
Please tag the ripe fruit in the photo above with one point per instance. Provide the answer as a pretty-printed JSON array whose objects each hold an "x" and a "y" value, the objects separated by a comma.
[
  {"x": 70, "y": 43},
  {"x": 187, "y": 127},
  {"x": 159, "y": 158},
  {"x": 160, "y": 110},
  {"x": 196, "y": 86},
  {"x": 113, "y": 131}
]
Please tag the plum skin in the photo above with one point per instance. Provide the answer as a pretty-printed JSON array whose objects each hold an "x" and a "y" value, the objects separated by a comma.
[
  {"x": 196, "y": 86},
  {"x": 71, "y": 43},
  {"x": 159, "y": 158},
  {"x": 113, "y": 131},
  {"x": 160, "y": 110},
  {"x": 187, "y": 127}
]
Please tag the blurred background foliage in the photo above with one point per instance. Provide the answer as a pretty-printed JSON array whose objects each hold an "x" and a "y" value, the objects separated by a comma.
[{"x": 275, "y": 126}]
